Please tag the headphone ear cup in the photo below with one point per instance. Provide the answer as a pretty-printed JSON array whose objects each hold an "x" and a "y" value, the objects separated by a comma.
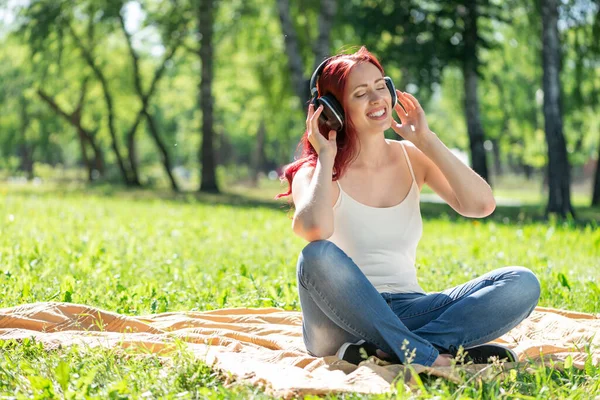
[
  {"x": 390, "y": 85},
  {"x": 333, "y": 113},
  {"x": 315, "y": 102}
]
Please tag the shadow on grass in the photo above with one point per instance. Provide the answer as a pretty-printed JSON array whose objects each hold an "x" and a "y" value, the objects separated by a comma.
[
  {"x": 516, "y": 214},
  {"x": 245, "y": 198},
  {"x": 229, "y": 198}
]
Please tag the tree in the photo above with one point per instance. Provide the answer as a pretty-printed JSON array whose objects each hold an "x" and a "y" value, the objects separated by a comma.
[
  {"x": 86, "y": 136},
  {"x": 144, "y": 97},
  {"x": 427, "y": 37},
  {"x": 205, "y": 14},
  {"x": 293, "y": 48},
  {"x": 559, "y": 200},
  {"x": 595, "y": 47},
  {"x": 70, "y": 26}
]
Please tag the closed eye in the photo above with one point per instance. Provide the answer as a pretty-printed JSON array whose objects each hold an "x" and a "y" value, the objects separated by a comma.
[{"x": 362, "y": 94}]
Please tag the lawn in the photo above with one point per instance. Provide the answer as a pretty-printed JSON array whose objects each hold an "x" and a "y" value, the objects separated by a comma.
[{"x": 141, "y": 252}]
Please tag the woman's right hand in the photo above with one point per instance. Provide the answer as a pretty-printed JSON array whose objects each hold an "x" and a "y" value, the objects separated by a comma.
[{"x": 325, "y": 148}]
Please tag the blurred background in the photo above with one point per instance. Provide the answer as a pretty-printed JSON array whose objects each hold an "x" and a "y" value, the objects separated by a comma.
[{"x": 211, "y": 95}]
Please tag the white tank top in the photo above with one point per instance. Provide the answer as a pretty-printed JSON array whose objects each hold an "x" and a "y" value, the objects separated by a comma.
[{"x": 382, "y": 241}]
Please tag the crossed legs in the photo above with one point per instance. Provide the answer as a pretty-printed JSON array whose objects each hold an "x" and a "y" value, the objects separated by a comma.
[{"x": 340, "y": 305}]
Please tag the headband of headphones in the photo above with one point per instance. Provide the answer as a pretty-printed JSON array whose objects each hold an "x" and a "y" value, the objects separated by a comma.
[{"x": 315, "y": 77}]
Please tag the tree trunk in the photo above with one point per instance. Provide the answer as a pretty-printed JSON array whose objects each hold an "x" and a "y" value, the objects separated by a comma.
[
  {"x": 25, "y": 151},
  {"x": 164, "y": 154},
  {"x": 528, "y": 169},
  {"x": 470, "y": 64},
  {"x": 258, "y": 154},
  {"x": 292, "y": 50},
  {"x": 559, "y": 200},
  {"x": 109, "y": 107},
  {"x": 98, "y": 157},
  {"x": 145, "y": 99},
  {"x": 131, "y": 147},
  {"x": 326, "y": 17},
  {"x": 504, "y": 129},
  {"x": 207, "y": 155},
  {"x": 596, "y": 192},
  {"x": 497, "y": 161},
  {"x": 84, "y": 155},
  {"x": 75, "y": 120}
]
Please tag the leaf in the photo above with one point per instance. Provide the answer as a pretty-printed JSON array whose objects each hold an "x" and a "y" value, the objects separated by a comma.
[
  {"x": 592, "y": 285},
  {"x": 563, "y": 280},
  {"x": 588, "y": 366},
  {"x": 62, "y": 373},
  {"x": 568, "y": 362}
]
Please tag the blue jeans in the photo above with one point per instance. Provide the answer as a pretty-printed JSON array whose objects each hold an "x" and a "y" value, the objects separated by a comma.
[{"x": 340, "y": 305}]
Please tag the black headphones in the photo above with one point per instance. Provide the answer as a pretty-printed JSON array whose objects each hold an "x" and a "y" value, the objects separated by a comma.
[{"x": 333, "y": 112}]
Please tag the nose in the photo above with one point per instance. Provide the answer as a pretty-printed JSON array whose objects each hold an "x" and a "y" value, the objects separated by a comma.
[{"x": 376, "y": 97}]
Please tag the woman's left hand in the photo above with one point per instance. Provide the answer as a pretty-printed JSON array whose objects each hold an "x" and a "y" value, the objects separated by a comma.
[{"x": 414, "y": 116}]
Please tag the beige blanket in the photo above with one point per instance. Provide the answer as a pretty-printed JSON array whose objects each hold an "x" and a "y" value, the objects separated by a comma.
[{"x": 264, "y": 346}]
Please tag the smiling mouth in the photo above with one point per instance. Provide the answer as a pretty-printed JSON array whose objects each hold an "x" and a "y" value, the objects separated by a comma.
[{"x": 377, "y": 114}]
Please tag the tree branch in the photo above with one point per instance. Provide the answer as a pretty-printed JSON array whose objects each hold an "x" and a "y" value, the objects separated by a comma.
[{"x": 109, "y": 104}]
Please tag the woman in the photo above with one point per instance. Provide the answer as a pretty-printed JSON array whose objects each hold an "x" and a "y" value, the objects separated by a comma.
[{"x": 356, "y": 197}]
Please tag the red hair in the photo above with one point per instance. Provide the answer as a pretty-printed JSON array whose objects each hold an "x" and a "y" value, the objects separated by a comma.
[{"x": 332, "y": 81}]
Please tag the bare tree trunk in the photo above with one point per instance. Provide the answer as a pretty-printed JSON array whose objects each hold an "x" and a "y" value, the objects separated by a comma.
[
  {"x": 292, "y": 47},
  {"x": 497, "y": 161},
  {"x": 98, "y": 157},
  {"x": 164, "y": 154},
  {"x": 470, "y": 64},
  {"x": 504, "y": 130},
  {"x": 207, "y": 156},
  {"x": 559, "y": 200},
  {"x": 326, "y": 17},
  {"x": 84, "y": 155},
  {"x": 258, "y": 154},
  {"x": 25, "y": 150},
  {"x": 292, "y": 50},
  {"x": 596, "y": 192}
]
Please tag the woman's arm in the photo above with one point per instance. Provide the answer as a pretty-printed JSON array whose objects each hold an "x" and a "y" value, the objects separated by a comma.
[
  {"x": 313, "y": 194},
  {"x": 456, "y": 183},
  {"x": 311, "y": 187}
]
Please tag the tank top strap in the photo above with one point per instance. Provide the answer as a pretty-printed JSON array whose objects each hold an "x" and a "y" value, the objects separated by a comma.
[{"x": 408, "y": 162}]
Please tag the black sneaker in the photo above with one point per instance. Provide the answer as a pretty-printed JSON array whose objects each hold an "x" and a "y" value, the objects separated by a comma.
[
  {"x": 355, "y": 353},
  {"x": 482, "y": 354}
]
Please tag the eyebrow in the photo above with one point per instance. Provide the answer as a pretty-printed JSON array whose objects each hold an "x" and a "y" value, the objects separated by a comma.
[{"x": 364, "y": 84}]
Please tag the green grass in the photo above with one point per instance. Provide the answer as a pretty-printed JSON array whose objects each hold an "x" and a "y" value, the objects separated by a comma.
[{"x": 139, "y": 252}]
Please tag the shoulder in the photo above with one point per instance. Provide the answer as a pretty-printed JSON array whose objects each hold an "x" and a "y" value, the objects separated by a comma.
[
  {"x": 408, "y": 145},
  {"x": 418, "y": 160},
  {"x": 413, "y": 151}
]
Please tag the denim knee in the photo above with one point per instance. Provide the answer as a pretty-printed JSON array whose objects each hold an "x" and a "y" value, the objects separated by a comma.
[
  {"x": 527, "y": 285},
  {"x": 315, "y": 259}
]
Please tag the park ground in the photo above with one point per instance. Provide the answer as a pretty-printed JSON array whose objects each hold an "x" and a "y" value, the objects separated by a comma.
[{"x": 140, "y": 252}]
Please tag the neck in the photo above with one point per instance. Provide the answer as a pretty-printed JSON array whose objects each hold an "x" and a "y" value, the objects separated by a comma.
[{"x": 373, "y": 151}]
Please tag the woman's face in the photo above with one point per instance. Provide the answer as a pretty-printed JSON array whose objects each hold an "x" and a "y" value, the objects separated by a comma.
[{"x": 367, "y": 100}]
